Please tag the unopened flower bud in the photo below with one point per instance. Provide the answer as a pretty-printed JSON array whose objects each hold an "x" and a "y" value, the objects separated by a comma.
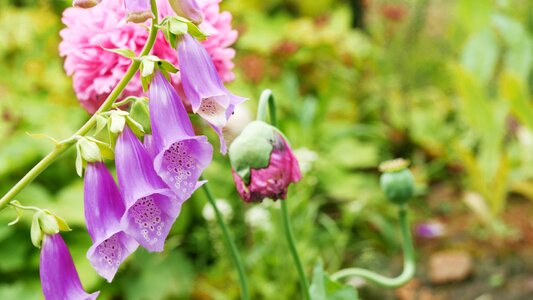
[
  {"x": 188, "y": 9},
  {"x": 263, "y": 163},
  {"x": 138, "y": 11},
  {"x": 48, "y": 222},
  {"x": 85, "y": 3},
  {"x": 397, "y": 181}
]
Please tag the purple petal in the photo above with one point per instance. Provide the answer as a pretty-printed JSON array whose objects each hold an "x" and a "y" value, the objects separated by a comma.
[
  {"x": 151, "y": 208},
  {"x": 149, "y": 145},
  {"x": 107, "y": 255},
  {"x": 203, "y": 86},
  {"x": 59, "y": 278},
  {"x": 150, "y": 219},
  {"x": 188, "y": 9},
  {"x": 181, "y": 156},
  {"x": 138, "y": 11},
  {"x": 168, "y": 116},
  {"x": 104, "y": 208},
  {"x": 103, "y": 203},
  {"x": 181, "y": 164}
]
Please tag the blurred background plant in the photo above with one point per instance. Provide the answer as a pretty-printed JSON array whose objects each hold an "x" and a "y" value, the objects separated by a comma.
[{"x": 446, "y": 84}]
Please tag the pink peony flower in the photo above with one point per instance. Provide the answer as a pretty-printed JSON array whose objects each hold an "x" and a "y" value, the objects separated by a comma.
[{"x": 95, "y": 71}]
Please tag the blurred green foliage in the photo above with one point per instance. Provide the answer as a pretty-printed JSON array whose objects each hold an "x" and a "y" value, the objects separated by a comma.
[{"x": 446, "y": 84}]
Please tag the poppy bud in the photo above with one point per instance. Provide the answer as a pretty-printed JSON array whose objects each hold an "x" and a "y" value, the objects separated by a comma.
[
  {"x": 263, "y": 164},
  {"x": 397, "y": 181}
]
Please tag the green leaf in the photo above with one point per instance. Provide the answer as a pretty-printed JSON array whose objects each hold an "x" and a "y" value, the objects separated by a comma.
[
  {"x": 167, "y": 66},
  {"x": 480, "y": 55},
  {"x": 323, "y": 288},
  {"x": 124, "y": 52}
]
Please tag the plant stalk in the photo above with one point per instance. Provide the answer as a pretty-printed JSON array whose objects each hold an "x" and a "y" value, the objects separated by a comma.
[{"x": 64, "y": 145}]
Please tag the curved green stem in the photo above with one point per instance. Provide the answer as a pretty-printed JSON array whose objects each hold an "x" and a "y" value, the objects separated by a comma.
[
  {"x": 408, "y": 258},
  {"x": 230, "y": 244},
  {"x": 63, "y": 146},
  {"x": 292, "y": 245},
  {"x": 268, "y": 98}
]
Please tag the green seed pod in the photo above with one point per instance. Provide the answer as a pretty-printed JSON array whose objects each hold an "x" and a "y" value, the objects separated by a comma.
[{"x": 397, "y": 181}]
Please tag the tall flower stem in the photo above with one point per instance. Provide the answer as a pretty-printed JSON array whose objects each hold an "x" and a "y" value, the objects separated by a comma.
[
  {"x": 64, "y": 145},
  {"x": 408, "y": 258},
  {"x": 230, "y": 244},
  {"x": 268, "y": 98}
]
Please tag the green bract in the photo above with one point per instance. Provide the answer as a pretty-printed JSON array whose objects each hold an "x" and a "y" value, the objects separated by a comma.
[
  {"x": 252, "y": 148},
  {"x": 398, "y": 186}
]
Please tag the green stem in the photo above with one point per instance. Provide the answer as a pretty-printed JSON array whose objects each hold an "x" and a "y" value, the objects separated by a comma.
[
  {"x": 23, "y": 207},
  {"x": 292, "y": 246},
  {"x": 230, "y": 244},
  {"x": 63, "y": 146},
  {"x": 408, "y": 258},
  {"x": 267, "y": 97}
]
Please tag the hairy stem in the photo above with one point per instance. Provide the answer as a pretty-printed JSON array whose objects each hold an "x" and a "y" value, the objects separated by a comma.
[
  {"x": 409, "y": 267},
  {"x": 230, "y": 244},
  {"x": 268, "y": 98},
  {"x": 63, "y": 146}
]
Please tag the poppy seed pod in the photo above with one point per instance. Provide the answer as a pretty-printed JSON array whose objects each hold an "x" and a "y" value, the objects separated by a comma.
[
  {"x": 397, "y": 181},
  {"x": 263, "y": 164}
]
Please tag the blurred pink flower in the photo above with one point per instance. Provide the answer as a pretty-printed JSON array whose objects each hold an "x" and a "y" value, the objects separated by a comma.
[{"x": 95, "y": 71}]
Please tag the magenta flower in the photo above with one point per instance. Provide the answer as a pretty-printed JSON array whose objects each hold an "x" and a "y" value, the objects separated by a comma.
[
  {"x": 203, "y": 87},
  {"x": 263, "y": 163},
  {"x": 138, "y": 11},
  {"x": 95, "y": 71},
  {"x": 59, "y": 278},
  {"x": 188, "y": 9},
  {"x": 151, "y": 208},
  {"x": 181, "y": 155},
  {"x": 104, "y": 208}
]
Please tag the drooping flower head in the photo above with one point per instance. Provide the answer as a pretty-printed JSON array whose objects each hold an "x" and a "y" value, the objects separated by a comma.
[
  {"x": 203, "y": 87},
  {"x": 188, "y": 9},
  {"x": 104, "y": 208},
  {"x": 59, "y": 278},
  {"x": 138, "y": 11},
  {"x": 95, "y": 71},
  {"x": 151, "y": 208},
  {"x": 263, "y": 163},
  {"x": 181, "y": 155}
]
